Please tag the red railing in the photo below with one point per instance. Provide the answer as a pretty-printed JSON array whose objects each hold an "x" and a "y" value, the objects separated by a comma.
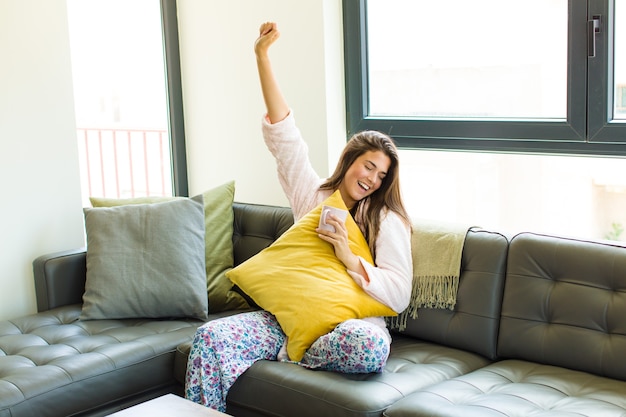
[{"x": 124, "y": 163}]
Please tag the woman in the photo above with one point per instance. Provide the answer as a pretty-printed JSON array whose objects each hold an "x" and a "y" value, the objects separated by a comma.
[{"x": 367, "y": 179}]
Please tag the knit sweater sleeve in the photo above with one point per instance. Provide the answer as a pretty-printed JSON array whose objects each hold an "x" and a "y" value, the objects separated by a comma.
[
  {"x": 297, "y": 177},
  {"x": 390, "y": 280}
]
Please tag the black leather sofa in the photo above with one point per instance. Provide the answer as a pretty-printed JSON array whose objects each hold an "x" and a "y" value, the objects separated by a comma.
[{"x": 539, "y": 329}]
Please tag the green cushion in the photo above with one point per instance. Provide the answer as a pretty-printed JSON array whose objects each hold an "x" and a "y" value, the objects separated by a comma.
[
  {"x": 219, "y": 218},
  {"x": 146, "y": 260}
]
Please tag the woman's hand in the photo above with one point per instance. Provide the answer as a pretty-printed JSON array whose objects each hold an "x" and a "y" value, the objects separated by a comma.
[
  {"x": 268, "y": 34},
  {"x": 339, "y": 240}
]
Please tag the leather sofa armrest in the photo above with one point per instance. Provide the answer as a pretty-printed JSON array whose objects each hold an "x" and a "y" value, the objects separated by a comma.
[{"x": 60, "y": 278}]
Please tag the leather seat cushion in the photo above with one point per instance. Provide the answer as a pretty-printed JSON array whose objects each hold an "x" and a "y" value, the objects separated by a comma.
[
  {"x": 303, "y": 392},
  {"x": 517, "y": 388},
  {"x": 53, "y": 364}
]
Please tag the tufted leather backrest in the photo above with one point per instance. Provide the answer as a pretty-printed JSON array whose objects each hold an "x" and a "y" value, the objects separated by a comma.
[
  {"x": 473, "y": 324},
  {"x": 256, "y": 227},
  {"x": 565, "y": 303}
]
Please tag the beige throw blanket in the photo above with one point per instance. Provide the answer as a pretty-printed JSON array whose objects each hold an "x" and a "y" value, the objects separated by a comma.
[{"x": 436, "y": 248}]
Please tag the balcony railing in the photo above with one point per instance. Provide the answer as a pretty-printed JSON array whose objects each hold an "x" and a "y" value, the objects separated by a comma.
[{"x": 124, "y": 163}]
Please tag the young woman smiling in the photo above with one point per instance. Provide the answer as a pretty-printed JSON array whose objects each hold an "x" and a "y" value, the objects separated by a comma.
[{"x": 367, "y": 179}]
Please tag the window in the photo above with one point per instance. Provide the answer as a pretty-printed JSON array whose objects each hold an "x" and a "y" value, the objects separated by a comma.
[
  {"x": 127, "y": 97},
  {"x": 502, "y": 118},
  {"x": 534, "y": 76}
]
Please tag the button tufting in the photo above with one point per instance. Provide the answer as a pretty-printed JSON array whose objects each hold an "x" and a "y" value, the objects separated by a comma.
[{"x": 50, "y": 350}]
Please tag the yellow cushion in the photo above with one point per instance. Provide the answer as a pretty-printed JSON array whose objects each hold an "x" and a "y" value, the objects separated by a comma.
[{"x": 301, "y": 281}]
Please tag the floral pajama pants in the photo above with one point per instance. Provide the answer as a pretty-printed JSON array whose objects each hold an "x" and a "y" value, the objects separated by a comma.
[{"x": 224, "y": 349}]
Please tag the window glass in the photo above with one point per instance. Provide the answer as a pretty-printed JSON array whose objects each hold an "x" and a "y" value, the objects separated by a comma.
[
  {"x": 120, "y": 98},
  {"x": 582, "y": 197},
  {"x": 488, "y": 59}
]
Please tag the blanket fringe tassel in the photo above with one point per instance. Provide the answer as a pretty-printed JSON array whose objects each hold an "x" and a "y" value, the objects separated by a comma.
[{"x": 427, "y": 292}]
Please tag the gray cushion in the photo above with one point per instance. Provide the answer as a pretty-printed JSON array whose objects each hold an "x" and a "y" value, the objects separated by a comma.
[{"x": 146, "y": 260}]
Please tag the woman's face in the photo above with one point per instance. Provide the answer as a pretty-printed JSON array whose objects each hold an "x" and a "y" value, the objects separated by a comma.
[{"x": 364, "y": 176}]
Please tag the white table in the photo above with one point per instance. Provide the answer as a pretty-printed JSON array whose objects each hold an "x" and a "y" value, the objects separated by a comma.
[{"x": 169, "y": 405}]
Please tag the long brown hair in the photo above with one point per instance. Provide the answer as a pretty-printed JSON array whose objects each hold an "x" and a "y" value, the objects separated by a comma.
[{"x": 368, "y": 211}]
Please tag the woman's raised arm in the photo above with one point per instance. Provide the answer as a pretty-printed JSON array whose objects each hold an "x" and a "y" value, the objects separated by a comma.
[{"x": 275, "y": 103}]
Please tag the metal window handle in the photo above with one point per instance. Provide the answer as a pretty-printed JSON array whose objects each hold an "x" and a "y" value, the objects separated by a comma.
[{"x": 593, "y": 27}]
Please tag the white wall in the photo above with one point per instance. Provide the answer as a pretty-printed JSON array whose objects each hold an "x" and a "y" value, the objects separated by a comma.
[
  {"x": 222, "y": 98},
  {"x": 41, "y": 205}
]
